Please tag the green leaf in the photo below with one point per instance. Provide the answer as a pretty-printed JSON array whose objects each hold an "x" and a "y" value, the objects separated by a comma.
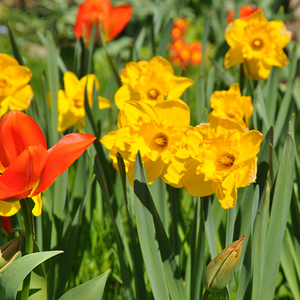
[
  {"x": 165, "y": 38},
  {"x": 53, "y": 86},
  {"x": 200, "y": 99},
  {"x": 278, "y": 217},
  {"x": 38, "y": 287},
  {"x": 261, "y": 108},
  {"x": 288, "y": 264},
  {"x": 258, "y": 243},
  {"x": 140, "y": 287},
  {"x": 286, "y": 101},
  {"x": 12, "y": 277},
  {"x": 159, "y": 258},
  {"x": 270, "y": 95},
  {"x": 196, "y": 258},
  {"x": 90, "y": 290},
  {"x": 222, "y": 295},
  {"x": 14, "y": 46}
]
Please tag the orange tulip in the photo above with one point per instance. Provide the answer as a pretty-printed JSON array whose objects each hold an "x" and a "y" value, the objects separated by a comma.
[
  {"x": 113, "y": 19},
  {"x": 245, "y": 12},
  {"x": 27, "y": 167}
]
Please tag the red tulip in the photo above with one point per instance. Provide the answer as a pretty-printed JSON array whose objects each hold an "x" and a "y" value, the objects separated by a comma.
[
  {"x": 27, "y": 167},
  {"x": 6, "y": 224},
  {"x": 113, "y": 19}
]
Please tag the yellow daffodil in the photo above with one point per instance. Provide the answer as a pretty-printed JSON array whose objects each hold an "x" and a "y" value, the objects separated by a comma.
[
  {"x": 257, "y": 44},
  {"x": 231, "y": 104},
  {"x": 158, "y": 132},
  {"x": 71, "y": 100},
  {"x": 151, "y": 82},
  {"x": 223, "y": 158},
  {"x": 15, "y": 92}
]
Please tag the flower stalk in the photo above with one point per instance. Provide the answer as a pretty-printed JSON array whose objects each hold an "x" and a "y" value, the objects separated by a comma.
[{"x": 27, "y": 218}]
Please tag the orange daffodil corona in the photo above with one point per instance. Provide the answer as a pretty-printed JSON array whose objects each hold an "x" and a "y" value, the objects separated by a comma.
[
  {"x": 150, "y": 82},
  {"x": 27, "y": 167},
  {"x": 257, "y": 44},
  {"x": 71, "y": 100},
  {"x": 15, "y": 92},
  {"x": 113, "y": 19}
]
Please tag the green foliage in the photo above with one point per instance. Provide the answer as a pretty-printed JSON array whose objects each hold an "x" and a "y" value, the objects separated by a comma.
[{"x": 157, "y": 240}]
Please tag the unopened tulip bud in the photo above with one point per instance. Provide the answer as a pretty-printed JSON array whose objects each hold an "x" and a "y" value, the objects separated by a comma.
[
  {"x": 220, "y": 270},
  {"x": 10, "y": 251}
]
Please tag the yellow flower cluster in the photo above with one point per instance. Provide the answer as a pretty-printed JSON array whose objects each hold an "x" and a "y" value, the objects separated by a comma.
[
  {"x": 215, "y": 157},
  {"x": 15, "y": 92}
]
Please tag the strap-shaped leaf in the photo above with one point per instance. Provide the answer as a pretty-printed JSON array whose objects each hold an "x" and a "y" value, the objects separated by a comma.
[
  {"x": 90, "y": 290},
  {"x": 12, "y": 278}
]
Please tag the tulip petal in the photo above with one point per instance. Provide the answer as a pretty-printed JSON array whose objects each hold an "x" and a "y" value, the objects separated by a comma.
[
  {"x": 9, "y": 208},
  {"x": 117, "y": 20},
  {"x": 61, "y": 156},
  {"x": 24, "y": 172},
  {"x": 17, "y": 132}
]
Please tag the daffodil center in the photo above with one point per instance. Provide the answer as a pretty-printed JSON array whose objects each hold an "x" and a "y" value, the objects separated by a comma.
[
  {"x": 5, "y": 88},
  {"x": 161, "y": 140},
  {"x": 257, "y": 44},
  {"x": 153, "y": 94},
  {"x": 227, "y": 160},
  {"x": 78, "y": 103}
]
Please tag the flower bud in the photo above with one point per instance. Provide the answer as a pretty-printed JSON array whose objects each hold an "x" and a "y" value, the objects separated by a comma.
[
  {"x": 10, "y": 251},
  {"x": 220, "y": 270}
]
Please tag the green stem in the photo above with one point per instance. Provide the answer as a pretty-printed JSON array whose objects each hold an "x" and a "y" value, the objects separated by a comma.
[{"x": 27, "y": 217}]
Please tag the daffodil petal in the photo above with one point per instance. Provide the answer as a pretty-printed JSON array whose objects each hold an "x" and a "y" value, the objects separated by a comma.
[{"x": 8, "y": 208}]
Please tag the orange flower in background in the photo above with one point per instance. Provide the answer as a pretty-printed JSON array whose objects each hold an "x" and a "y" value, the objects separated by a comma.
[
  {"x": 181, "y": 56},
  {"x": 179, "y": 28},
  {"x": 182, "y": 53},
  {"x": 113, "y": 19},
  {"x": 245, "y": 12},
  {"x": 27, "y": 168},
  {"x": 196, "y": 53}
]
